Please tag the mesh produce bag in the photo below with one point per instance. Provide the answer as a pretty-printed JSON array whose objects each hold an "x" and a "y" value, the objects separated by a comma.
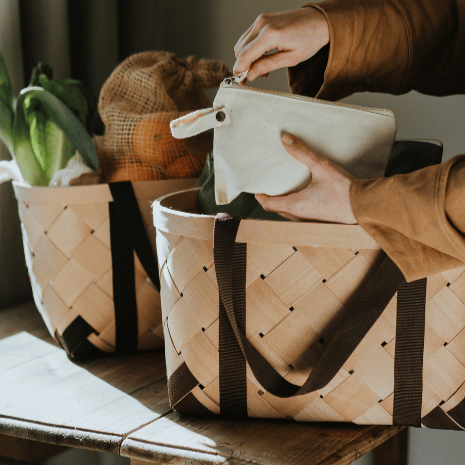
[{"x": 138, "y": 101}]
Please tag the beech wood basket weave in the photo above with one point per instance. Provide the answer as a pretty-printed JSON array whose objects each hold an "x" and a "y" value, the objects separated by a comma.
[
  {"x": 68, "y": 235},
  {"x": 301, "y": 284}
]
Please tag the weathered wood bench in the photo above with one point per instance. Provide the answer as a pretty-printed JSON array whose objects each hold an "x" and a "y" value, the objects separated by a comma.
[{"x": 120, "y": 405}]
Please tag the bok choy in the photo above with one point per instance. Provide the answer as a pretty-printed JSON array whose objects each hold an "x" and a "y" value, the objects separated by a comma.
[{"x": 44, "y": 125}]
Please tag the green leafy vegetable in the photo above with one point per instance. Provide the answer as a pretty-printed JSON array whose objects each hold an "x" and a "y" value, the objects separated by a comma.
[
  {"x": 41, "y": 68},
  {"x": 44, "y": 126},
  {"x": 69, "y": 92},
  {"x": 46, "y": 114},
  {"x": 72, "y": 94}
]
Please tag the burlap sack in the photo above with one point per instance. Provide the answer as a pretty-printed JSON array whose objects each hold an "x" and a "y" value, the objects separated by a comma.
[{"x": 138, "y": 101}]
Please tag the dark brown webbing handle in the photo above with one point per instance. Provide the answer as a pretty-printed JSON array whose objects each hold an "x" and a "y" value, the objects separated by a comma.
[
  {"x": 371, "y": 303},
  {"x": 366, "y": 310},
  {"x": 232, "y": 363},
  {"x": 408, "y": 361}
]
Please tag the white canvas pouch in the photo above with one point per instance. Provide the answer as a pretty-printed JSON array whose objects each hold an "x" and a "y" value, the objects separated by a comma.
[{"x": 248, "y": 125}]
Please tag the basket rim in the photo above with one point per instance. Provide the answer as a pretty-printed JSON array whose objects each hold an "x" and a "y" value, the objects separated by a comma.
[
  {"x": 96, "y": 193},
  {"x": 168, "y": 218}
]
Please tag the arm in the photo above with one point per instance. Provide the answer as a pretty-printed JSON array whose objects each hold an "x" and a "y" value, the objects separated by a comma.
[
  {"x": 392, "y": 46},
  {"x": 418, "y": 219}
]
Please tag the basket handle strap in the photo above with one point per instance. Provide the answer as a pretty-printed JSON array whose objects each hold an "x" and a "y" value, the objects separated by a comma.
[
  {"x": 128, "y": 235},
  {"x": 126, "y": 202},
  {"x": 198, "y": 122},
  {"x": 371, "y": 303}
]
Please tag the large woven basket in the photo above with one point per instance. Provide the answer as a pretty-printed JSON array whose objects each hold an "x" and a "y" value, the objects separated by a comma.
[
  {"x": 314, "y": 323},
  {"x": 88, "y": 266}
]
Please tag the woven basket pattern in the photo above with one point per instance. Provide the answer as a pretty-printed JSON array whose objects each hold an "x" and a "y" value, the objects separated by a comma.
[
  {"x": 296, "y": 298},
  {"x": 68, "y": 256}
]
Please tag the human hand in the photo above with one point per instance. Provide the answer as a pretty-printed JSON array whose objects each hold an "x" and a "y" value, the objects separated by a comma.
[
  {"x": 296, "y": 34},
  {"x": 326, "y": 198}
]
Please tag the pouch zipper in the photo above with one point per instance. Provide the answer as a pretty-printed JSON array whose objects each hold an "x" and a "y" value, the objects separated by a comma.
[{"x": 229, "y": 82}]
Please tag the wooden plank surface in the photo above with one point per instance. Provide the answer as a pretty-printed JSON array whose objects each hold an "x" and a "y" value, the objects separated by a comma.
[
  {"x": 212, "y": 440},
  {"x": 120, "y": 405},
  {"x": 93, "y": 405},
  {"x": 27, "y": 450}
]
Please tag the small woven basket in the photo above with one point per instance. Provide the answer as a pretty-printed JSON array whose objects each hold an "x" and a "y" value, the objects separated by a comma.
[
  {"x": 68, "y": 235},
  {"x": 307, "y": 321}
]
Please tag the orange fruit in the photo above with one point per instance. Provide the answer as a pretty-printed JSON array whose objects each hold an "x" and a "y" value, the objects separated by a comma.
[
  {"x": 186, "y": 166},
  {"x": 153, "y": 142},
  {"x": 134, "y": 171}
]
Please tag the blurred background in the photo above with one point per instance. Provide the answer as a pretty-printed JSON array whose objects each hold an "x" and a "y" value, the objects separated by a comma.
[{"x": 86, "y": 39}]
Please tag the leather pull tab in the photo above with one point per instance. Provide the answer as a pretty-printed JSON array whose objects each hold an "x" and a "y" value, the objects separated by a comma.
[{"x": 198, "y": 122}]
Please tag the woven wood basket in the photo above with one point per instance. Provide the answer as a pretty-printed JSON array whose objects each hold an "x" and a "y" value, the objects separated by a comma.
[
  {"x": 91, "y": 287},
  {"x": 306, "y": 325}
]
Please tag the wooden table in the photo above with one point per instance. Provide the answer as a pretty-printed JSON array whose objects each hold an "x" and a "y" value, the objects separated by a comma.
[{"x": 120, "y": 405}]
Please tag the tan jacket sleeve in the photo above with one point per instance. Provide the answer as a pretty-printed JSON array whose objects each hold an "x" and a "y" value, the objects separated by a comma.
[
  {"x": 391, "y": 46},
  {"x": 395, "y": 46},
  {"x": 416, "y": 218}
]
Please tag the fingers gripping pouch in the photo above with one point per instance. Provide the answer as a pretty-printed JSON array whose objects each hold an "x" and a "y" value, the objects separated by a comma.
[{"x": 247, "y": 149}]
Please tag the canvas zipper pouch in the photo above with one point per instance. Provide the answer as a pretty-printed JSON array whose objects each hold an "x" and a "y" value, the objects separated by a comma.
[{"x": 248, "y": 125}]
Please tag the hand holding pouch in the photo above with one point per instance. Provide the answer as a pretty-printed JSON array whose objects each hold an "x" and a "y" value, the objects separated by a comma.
[{"x": 248, "y": 124}]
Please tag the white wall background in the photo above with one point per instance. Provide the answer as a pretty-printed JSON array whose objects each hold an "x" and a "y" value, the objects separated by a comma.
[{"x": 210, "y": 29}]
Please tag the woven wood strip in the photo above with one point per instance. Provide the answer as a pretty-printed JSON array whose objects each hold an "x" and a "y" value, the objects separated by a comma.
[
  {"x": 68, "y": 255},
  {"x": 296, "y": 298}
]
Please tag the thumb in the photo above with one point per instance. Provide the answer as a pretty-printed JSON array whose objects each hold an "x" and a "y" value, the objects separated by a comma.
[{"x": 302, "y": 152}]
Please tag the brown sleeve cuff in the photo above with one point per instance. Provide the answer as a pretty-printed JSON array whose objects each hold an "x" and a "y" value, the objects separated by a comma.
[
  {"x": 368, "y": 51},
  {"x": 406, "y": 215}
]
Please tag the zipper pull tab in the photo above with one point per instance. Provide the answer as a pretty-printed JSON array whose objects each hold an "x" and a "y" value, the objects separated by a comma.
[{"x": 237, "y": 79}]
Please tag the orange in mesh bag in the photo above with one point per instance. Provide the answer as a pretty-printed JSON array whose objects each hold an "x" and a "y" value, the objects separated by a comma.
[{"x": 138, "y": 101}]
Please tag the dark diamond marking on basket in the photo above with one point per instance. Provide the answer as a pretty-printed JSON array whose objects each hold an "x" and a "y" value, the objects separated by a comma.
[
  {"x": 203, "y": 329},
  {"x": 76, "y": 333},
  {"x": 380, "y": 400},
  {"x": 65, "y": 207},
  {"x": 201, "y": 387},
  {"x": 351, "y": 372},
  {"x": 321, "y": 340},
  {"x": 384, "y": 343},
  {"x": 324, "y": 280},
  {"x": 92, "y": 232},
  {"x": 205, "y": 269},
  {"x": 291, "y": 309},
  {"x": 442, "y": 402},
  {"x": 262, "y": 276},
  {"x": 356, "y": 253},
  {"x": 445, "y": 343},
  {"x": 448, "y": 284},
  {"x": 321, "y": 397},
  {"x": 294, "y": 249},
  {"x": 181, "y": 295},
  {"x": 45, "y": 232},
  {"x": 291, "y": 367},
  {"x": 261, "y": 335}
]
